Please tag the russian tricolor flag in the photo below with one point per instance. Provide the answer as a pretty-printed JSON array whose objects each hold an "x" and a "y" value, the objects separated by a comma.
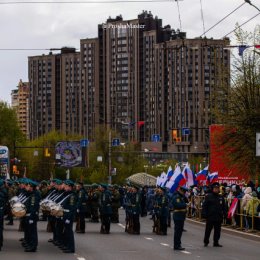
[
  {"x": 202, "y": 175},
  {"x": 189, "y": 176},
  {"x": 175, "y": 180},
  {"x": 212, "y": 177}
]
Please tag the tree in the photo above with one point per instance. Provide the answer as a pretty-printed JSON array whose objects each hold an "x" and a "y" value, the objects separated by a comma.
[
  {"x": 10, "y": 132},
  {"x": 126, "y": 159},
  {"x": 241, "y": 115},
  {"x": 42, "y": 167}
]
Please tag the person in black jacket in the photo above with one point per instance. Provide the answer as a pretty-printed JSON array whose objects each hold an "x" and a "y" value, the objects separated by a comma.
[
  {"x": 81, "y": 207},
  {"x": 179, "y": 203},
  {"x": 213, "y": 210},
  {"x": 32, "y": 205},
  {"x": 3, "y": 200}
]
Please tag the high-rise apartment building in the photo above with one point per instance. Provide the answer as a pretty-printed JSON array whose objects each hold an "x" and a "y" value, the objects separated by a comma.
[
  {"x": 137, "y": 77},
  {"x": 188, "y": 71},
  {"x": 54, "y": 92},
  {"x": 122, "y": 72},
  {"x": 90, "y": 98},
  {"x": 19, "y": 102}
]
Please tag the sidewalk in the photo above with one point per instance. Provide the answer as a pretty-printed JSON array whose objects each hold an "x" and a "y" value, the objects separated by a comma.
[{"x": 255, "y": 235}]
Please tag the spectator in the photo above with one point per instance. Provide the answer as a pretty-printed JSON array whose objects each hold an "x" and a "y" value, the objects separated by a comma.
[{"x": 251, "y": 210}]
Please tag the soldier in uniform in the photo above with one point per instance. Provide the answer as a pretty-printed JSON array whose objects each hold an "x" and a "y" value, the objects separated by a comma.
[
  {"x": 128, "y": 210},
  {"x": 11, "y": 193},
  {"x": 144, "y": 201},
  {"x": 115, "y": 203},
  {"x": 22, "y": 192},
  {"x": 43, "y": 188},
  {"x": 3, "y": 200},
  {"x": 105, "y": 209},
  {"x": 55, "y": 225},
  {"x": 161, "y": 211},
  {"x": 31, "y": 219},
  {"x": 81, "y": 208},
  {"x": 58, "y": 221},
  {"x": 135, "y": 199},
  {"x": 213, "y": 209},
  {"x": 94, "y": 197},
  {"x": 179, "y": 214},
  {"x": 69, "y": 205}
]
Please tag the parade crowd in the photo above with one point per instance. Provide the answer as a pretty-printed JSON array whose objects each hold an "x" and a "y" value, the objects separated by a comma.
[{"x": 63, "y": 203}]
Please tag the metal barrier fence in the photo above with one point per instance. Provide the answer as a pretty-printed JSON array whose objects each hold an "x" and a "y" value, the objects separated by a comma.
[{"x": 245, "y": 216}]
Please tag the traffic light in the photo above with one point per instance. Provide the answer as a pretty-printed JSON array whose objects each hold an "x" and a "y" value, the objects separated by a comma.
[
  {"x": 14, "y": 169},
  {"x": 175, "y": 137},
  {"x": 46, "y": 152}
]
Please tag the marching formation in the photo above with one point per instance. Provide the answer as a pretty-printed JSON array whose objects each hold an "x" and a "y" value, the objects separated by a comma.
[{"x": 61, "y": 203}]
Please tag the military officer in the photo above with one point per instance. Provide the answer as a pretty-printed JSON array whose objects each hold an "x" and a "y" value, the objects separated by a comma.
[
  {"x": 179, "y": 203},
  {"x": 115, "y": 203},
  {"x": 105, "y": 209},
  {"x": 81, "y": 207},
  {"x": 55, "y": 225},
  {"x": 58, "y": 221},
  {"x": 32, "y": 205},
  {"x": 11, "y": 193},
  {"x": 69, "y": 204},
  {"x": 3, "y": 200},
  {"x": 161, "y": 211},
  {"x": 128, "y": 210},
  {"x": 213, "y": 209},
  {"x": 94, "y": 197},
  {"x": 135, "y": 199}
]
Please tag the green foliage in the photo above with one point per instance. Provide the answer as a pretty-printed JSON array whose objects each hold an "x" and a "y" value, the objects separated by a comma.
[
  {"x": 126, "y": 159},
  {"x": 41, "y": 167},
  {"x": 242, "y": 114},
  {"x": 10, "y": 132}
]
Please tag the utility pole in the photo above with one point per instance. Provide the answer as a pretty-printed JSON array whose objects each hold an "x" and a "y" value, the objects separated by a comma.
[{"x": 109, "y": 157}]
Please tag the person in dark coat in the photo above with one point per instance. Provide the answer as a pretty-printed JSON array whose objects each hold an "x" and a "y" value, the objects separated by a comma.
[
  {"x": 179, "y": 204},
  {"x": 32, "y": 205},
  {"x": 3, "y": 200},
  {"x": 161, "y": 208},
  {"x": 69, "y": 204},
  {"x": 81, "y": 208},
  {"x": 213, "y": 210},
  {"x": 105, "y": 209}
]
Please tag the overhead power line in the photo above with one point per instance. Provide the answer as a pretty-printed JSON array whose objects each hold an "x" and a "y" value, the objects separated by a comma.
[
  {"x": 242, "y": 25},
  {"x": 202, "y": 16},
  {"x": 31, "y": 49},
  {"x": 84, "y": 2},
  {"x": 222, "y": 19},
  {"x": 179, "y": 13}
]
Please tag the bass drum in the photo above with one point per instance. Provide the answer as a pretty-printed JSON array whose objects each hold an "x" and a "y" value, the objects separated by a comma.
[
  {"x": 18, "y": 209},
  {"x": 57, "y": 211}
]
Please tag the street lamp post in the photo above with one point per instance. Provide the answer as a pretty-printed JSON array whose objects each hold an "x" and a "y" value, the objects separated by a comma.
[{"x": 109, "y": 157}]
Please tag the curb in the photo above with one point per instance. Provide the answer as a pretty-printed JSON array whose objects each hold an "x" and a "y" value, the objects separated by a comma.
[{"x": 255, "y": 237}]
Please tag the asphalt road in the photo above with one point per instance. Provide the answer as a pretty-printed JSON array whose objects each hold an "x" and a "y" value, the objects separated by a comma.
[{"x": 122, "y": 246}]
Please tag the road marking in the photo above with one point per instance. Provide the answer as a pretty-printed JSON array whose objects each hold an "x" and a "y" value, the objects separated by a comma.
[
  {"x": 121, "y": 225},
  {"x": 148, "y": 238},
  {"x": 186, "y": 252},
  {"x": 81, "y": 258},
  {"x": 163, "y": 244}
]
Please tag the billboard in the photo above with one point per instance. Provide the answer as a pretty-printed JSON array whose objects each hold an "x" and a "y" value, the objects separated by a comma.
[
  {"x": 220, "y": 162},
  {"x": 4, "y": 160},
  {"x": 68, "y": 154}
]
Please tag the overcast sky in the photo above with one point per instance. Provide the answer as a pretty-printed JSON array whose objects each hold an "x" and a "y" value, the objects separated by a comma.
[{"x": 57, "y": 25}]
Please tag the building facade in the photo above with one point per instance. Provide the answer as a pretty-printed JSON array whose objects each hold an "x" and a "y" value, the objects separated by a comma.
[
  {"x": 20, "y": 102},
  {"x": 54, "y": 81},
  {"x": 138, "y": 78}
]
